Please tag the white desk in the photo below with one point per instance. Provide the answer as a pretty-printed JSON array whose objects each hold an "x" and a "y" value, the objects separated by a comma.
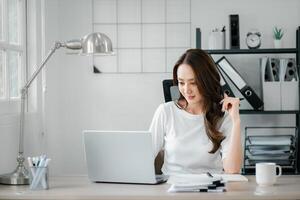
[{"x": 288, "y": 187}]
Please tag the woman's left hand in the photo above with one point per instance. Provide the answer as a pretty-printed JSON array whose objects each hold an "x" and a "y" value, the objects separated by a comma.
[{"x": 232, "y": 105}]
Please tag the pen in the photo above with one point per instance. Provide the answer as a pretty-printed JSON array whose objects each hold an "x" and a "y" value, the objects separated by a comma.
[
  {"x": 209, "y": 174},
  {"x": 241, "y": 99},
  {"x": 223, "y": 29},
  {"x": 216, "y": 190}
]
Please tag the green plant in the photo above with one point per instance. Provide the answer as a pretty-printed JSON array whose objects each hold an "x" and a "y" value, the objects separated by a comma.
[{"x": 277, "y": 33}]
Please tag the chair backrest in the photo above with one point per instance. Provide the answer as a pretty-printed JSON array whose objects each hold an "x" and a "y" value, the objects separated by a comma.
[{"x": 171, "y": 92}]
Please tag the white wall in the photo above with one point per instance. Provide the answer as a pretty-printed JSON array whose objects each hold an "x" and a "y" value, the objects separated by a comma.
[
  {"x": 144, "y": 40},
  {"x": 77, "y": 99}
]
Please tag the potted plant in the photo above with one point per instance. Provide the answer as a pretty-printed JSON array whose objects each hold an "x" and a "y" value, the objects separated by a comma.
[{"x": 278, "y": 34}]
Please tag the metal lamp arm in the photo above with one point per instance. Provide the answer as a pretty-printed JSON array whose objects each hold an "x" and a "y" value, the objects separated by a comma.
[
  {"x": 24, "y": 91},
  {"x": 72, "y": 44},
  {"x": 56, "y": 46}
]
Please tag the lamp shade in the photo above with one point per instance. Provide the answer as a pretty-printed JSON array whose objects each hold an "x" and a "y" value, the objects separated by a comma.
[{"x": 96, "y": 44}]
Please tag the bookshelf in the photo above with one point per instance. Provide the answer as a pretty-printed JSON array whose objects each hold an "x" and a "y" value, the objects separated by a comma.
[
  {"x": 253, "y": 51},
  {"x": 295, "y": 51}
]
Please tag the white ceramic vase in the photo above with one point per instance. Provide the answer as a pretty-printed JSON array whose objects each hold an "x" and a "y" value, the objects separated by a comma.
[{"x": 277, "y": 44}]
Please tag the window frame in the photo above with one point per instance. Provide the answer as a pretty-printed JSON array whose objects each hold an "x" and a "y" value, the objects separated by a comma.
[{"x": 10, "y": 104}]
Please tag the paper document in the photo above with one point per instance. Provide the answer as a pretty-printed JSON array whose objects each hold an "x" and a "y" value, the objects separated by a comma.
[
  {"x": 195, "y": 188},
  {"x": 233, "y": 177},
  {"x": 203, "y": 179},
  {"x": 196, "y": 183},
  {"x": 271, "y": 140}
]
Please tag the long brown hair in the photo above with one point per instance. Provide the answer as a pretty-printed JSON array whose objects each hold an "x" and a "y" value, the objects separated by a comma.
[{"x": 208, "y": 83}]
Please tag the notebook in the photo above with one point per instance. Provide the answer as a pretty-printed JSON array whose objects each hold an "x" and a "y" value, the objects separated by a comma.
[
  {"x": 202, "y": 182},
  {"x": 120, "y": 157}
]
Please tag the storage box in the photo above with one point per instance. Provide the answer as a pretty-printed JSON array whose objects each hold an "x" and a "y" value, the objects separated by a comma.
[
  {"x": 272, "y": 95},
  {"x": 289, "y": 95},
  {"x": 271, "y": 89},
  {"x": 280, "y": 84},
  {"x": 289, "y": 84}
]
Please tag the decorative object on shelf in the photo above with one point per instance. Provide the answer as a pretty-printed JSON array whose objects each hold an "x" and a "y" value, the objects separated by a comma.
[
  {"x": 198, "y": 38},
  {"x": 216, "y": 39},
  {"x": 277, "y": 35},
  {"x": 91, "y": 44},
  {"x": 253, "y": 39},
  {"x": 234, "y": 32}
]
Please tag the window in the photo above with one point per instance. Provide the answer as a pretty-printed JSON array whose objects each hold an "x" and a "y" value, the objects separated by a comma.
[{"x": 12, "y": 48}]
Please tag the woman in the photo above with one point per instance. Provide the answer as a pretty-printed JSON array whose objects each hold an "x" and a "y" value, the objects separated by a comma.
[{"x": 201, "y": 131}]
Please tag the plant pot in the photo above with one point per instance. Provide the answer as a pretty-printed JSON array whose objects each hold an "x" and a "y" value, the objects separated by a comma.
[{"x": 277, "y": 44}]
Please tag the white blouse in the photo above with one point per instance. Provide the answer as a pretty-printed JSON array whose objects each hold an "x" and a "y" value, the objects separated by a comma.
[{"x": 183, "y": 138}]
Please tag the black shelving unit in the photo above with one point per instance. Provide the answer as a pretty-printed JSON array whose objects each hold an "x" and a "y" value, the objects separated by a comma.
[
  {"x": 271, "y": 51},
  {"x": 253, "y": 51},
  {"x": 267, "y": 112}
]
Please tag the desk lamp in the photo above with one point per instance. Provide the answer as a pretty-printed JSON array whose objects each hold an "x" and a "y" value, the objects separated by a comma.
[{"x": 91, "y": 44}]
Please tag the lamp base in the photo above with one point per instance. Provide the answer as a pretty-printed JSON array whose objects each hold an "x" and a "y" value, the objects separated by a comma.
[{"x": 18, "y": 177}]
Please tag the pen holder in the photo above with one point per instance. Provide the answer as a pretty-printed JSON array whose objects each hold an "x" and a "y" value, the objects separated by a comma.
[
  {"x": 216, "y": 40},
  {"x": 39, "y": 178}
]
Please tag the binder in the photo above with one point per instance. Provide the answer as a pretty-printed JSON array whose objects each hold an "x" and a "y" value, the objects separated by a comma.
[
  {"x": 274, "y": 64},
  {"x": 289, "y": 69},
  {"x": 225, "y": 86},
  {"x": 240, "y": 83},
  {"x": 267, "y": 69}
]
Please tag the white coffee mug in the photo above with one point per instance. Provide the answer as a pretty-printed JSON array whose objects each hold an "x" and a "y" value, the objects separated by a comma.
[{"x": 266, "y": 173}]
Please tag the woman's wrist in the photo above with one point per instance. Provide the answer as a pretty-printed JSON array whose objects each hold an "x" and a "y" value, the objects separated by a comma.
[{"x": 236, "y": 121}]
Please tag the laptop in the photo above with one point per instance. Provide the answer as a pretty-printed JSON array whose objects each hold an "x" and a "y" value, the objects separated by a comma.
[{"x": 120, "y": 157}]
